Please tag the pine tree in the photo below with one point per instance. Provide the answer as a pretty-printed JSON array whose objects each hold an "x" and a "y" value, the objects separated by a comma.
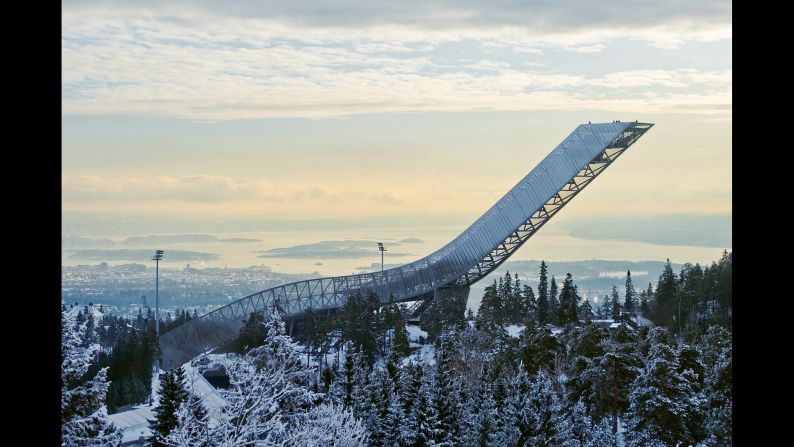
[
  {"x": 412, "y": 382},
  {"x": 665, "y": 303},
  {"x": 360, "y": 381},
  {"x": 615, "y": 304},
  {"x": 645, "y": 307},
  {"x": 360, "y": 323},
  {"x": 543, "y": 296},
  {"x": 586, "y": 349},
  {"x": 517, "y": 309},
  {"x": 490, "y": 309},
  {"x": 530, "y": 304},
  {"x": 252, "y": 334},
  {"x": 171, "y": 395},
  {"x": 192, "y": 426},
  {"x": 662, "y": 401},
  {"x": 542, "y": 405},
  {"x": 480, "y": 414},
  {"x": 446, "y": 399},
  {"x": 506, "y": 297},
  {"x": 344, "y": 386},
  {"x": 574, "y": 426},
  {"x": 538, "y": 349},
  {"x": 554, "y": 303},
  {"x": 602, "y": 435},
  {"x": 268, "y": 390},
  {"x": 586, "y": 311},
  {"x": 718, "y": 393},
  {"x": 376, "y": 415},
  {"x": 566, "y": 314},
  {"x": 400, "y": 344},
  {"x": 628, "y": 304},
  {"x": 616, "y": 371},
  {"x": 328, "y": 425},
  {"x": 312, "y": 332},
  {"x": 84, "y": 419},
  {"x": 423, "y": 419}
]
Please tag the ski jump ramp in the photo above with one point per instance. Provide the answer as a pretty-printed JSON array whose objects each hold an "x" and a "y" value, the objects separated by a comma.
[{"x": 475, "y": 253}]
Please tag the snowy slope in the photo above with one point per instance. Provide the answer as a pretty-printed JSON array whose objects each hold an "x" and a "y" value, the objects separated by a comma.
[{"x": 71, "y": 314}]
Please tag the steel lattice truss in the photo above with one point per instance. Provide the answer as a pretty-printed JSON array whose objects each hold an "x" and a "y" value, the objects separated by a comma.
[{"x": 476, "y": 252}]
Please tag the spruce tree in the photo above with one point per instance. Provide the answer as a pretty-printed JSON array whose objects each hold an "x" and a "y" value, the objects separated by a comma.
[
  {"x": 586, "y": 311},
  {"x": 252, "y": 334},
  {"x": 554, "y": 303},
  {"x": 543, "y": 296},
  {"x": 423, "y": 419},
  {"x": 628, "y": 304},
  {"x": 192, "y": 427},
  {"x": 171, "y": 395},
  {"x": 615, "y": 311},
  {"x": 542, "y": 406},
  {"x": 490, "y": 306},
  {"x": 616, "y": 371},
  {"x": 645, "y": 307},
  {"x": 480, "y": 414},
  {"x": 84, "y": 419},
  {"x": 538, "y": 349},
  {"x": 665, "y": 303},
  {"x": 573, "y": 426},
  {"x": 530, "y": 304},
  {"x": 347, "y": 377},
  {"x": 446, "y": 399},
  {"x": 400, "y": 344},
  {"x": 563, "y": 316},
  {"x": 518, "y": 309},
  {"x": 411, "y": 378},
  {"x": 718, "y": 393},
  {"x": 602, "y": 435},
  {"x": 662, "y": 402}
]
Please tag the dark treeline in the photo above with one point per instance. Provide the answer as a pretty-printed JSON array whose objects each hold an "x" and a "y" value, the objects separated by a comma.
[
  {"x": 686, "y": 303},
  {"x": 129, "y": 348}
]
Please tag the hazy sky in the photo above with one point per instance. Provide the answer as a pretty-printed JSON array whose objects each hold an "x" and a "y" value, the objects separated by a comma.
[{"x": 310, "y": 109}]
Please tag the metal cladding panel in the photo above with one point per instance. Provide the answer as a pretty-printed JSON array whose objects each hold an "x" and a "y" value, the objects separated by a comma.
[{"x": 442, "y": 267}]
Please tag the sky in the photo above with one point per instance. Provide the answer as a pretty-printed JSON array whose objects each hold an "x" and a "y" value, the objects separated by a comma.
[{"x": 324, "y": 110}]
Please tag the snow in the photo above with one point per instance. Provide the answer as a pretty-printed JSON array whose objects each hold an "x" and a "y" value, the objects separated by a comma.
[
  {"x": 71, "y": 314},
  {"x": 642, "y": 321},
  {"x": 210, "y": 396},
  {"x": 426, "y": 354},
  {"x": 414, "y": 332},
  {"x": 135, "y": 422},
  {"x": 514, "y": 330}
]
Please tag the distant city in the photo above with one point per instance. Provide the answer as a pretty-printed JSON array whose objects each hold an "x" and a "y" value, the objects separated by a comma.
[{"x": 127, "y": 288}]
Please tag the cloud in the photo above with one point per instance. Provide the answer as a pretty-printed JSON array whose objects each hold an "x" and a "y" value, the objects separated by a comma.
[
  {"x": 213, "y": 61},
  {"x": 209, "y": 189},
  {"x": 543, "y": 15}
]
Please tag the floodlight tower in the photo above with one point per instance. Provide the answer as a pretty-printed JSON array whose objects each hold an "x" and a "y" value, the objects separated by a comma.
[
  {"x": 158, "y": 255},
  {"x": 380, "y": 247}
]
